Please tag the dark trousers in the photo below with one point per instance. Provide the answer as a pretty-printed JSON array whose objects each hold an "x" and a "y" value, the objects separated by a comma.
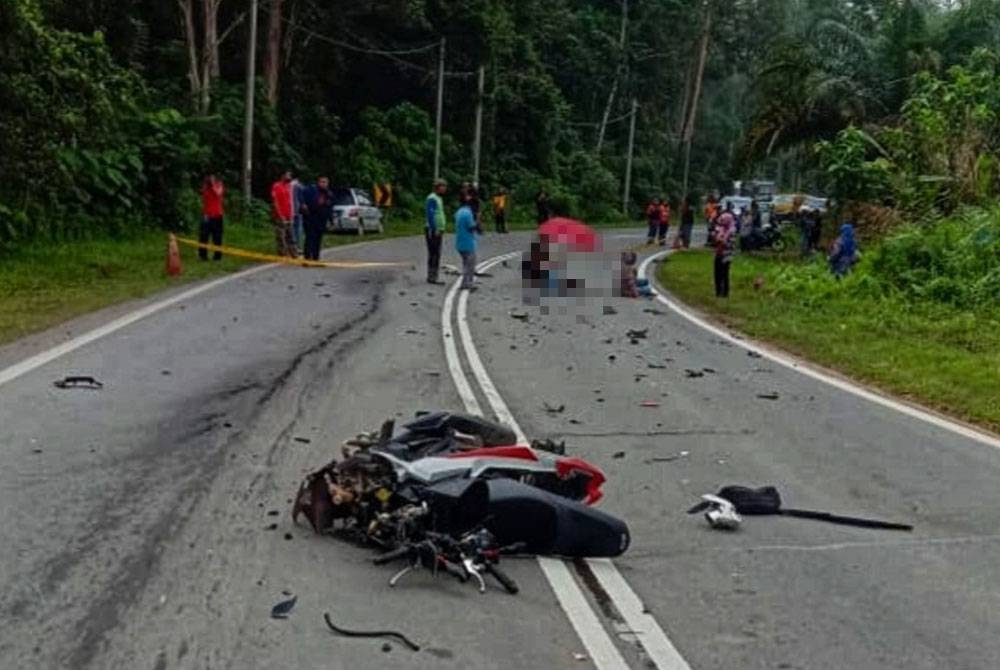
[
  {"x": 314, "y": 238},
  {"x": 664, "y": 228},
  {"x": 211, "y": 229},
  {"x": 501, "y": 221},
  {"x": 686, "y": 229},
  {"x": 722, "y": 277},
  {"x": 433, "y": 254},
  {"x": 654, "y": 227}
]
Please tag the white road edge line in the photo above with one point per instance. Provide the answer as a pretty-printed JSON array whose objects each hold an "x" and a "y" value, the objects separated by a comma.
[
  {"x": 12, "y": 372},
  {"x": 452, "y": 357},
  {"x": 789, "y": 362},
  {"x": 648, "y": 632}
]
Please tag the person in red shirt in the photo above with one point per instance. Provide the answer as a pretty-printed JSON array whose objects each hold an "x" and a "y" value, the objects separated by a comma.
[
  {"x": 212, "y": 194},
  {"x": 664, "y": 226},
  {"x": 282, "y": 214}
]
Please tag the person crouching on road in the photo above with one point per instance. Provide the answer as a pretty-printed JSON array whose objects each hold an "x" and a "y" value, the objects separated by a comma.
[
  {"x": 212, "y": 194},
  {"x": 317, "y": 208},
  {"x": 282, "y": 214},
  {"x": 434, "y": 229},
  {"x": 466, "y": 229}
]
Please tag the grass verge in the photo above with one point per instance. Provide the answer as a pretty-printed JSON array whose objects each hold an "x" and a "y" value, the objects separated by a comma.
[{"x": 933, "y": 354}]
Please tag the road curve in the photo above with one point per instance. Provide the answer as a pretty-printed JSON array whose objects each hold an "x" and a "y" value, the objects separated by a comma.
[{"x": 138, "y": 516}]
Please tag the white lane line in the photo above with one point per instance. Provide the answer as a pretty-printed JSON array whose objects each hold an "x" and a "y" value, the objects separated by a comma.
[
  {"x": 595, "y": 638},
  {"x": 11, "y": 373},
  {"x": 452, "y": 357},
  {"x": 648, "y": 632},
  {"x": 842, "y": 384}
]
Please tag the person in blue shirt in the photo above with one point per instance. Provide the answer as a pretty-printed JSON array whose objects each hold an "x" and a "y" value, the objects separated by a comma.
[{"x": 465, "y": 243}]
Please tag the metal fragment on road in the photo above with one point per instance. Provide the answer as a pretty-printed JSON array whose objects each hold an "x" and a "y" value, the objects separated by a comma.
[
  {"x": 78, "y": 381},
  {"x": 284, "y": 608}
]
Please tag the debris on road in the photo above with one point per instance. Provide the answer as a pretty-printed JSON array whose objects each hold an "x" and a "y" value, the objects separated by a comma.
[
  {"x": 519, "y": 315},
  {"x": 609, "y": 310},
  {"x": 637, "y": 334},
  {"x": 766, "y": 501},
  {"x": 768, "y": 396},
  {"x": 656, "y": 366},
  {"x": 165, "y": 373},
  {"x": 303, "y": 440},
  {"x": 649, "y": 403},
  {"x": 708, "y": 371},
  {"x": 656, "y": 312},
  {"x": 754, "y": 354},
  {"x": 273, "y": 512},
  {"x": 552, "y": 409},
  {"x": 579, "y": 657},
  {"x": 284, "y": 608},
  {"x": 618, "y": 455},
  {"x": 667, "y": 459},
  {"x": 272, "y": 526},
  {"x": 694, "y": 374},
  {"x": 81, "y": 382},
  {"x": 370, "y": 633},
  {"x": 720, "y": 513}
]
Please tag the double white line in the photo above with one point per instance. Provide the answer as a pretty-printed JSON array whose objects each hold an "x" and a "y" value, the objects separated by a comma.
[{"x": 594, "y": 636}]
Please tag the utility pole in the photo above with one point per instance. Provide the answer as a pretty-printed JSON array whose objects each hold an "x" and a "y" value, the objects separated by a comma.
[
  {"x": 248, "y": 104},
  {"x": 440, "y": 109},
  {"x": 477, "y": 148},
  {"x": 628, "y": 164}
]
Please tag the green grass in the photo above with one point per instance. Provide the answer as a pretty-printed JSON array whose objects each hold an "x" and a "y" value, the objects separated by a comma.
[
  {"x": 44, "y": 285},
  {"x": 936, "y": 355}
]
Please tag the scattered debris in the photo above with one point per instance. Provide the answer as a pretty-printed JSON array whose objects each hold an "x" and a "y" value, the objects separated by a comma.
[
  {"x": 272, "y": 526},
  {"x": 226, "y": 424},
  {"x": 637, "y": 334},
  {"x": 656, "y": 312},
  {"x": 36, "y": 451},
  {"x": 485, "y": 275},
  {"x": 505, "y": 264},
  {"x": 513, "y": 347},
  {"x": 768, "y": 396},
  {"x": 319, "y": 283},
  {"x": 579, "y": 657},
  {"x": 521, "y": 316},
  {"x": 284, "y": 608},
  {"x": 609, "y": 310},
  {"x": 618, "y": 455},
  {"x": 609, "y": 340},
  {"x": 656, "y": 366},
  {"x": 326, "y": 295},
  {"x": 78, "y": 382},
  {"x": 766, "y": 501},
  {"x": 612, "y": 357},
  {"x": 649, "y": 403},
  {"x": 432, "y": 373},
  {"x": 165, "y": 373},
  {"x": 754, "y": 354},
  {"x": 369, "y": 633},
  {"x": 668, "y": 459},
  {"x": 709, "y": 371},
  {"x": 386, "y": 647},
  {"x": 410, "y": 331},
  {"x": 273, "y": 512},
  {"x": 575, "y": 422},
  {"x": 303, "y": 440},
  {"x": 553, "y": 410},
  {"x": 694, "y": 374},
  {"x": 289, "y": 536}
]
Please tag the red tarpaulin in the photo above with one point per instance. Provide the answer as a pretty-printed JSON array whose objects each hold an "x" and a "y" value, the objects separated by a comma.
[{"x": 574, "y": 234}]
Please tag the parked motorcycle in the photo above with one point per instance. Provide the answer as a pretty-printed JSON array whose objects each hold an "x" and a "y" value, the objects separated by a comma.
[{"x": 768, "y": 236}]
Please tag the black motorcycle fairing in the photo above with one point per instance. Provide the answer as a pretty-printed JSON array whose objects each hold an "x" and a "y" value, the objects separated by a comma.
[{"x": 558, "y": 526}]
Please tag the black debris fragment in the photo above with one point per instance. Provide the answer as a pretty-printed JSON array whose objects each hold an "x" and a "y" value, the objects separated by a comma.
[
  {"x": 618, "y": 455},
  {"x": 708, "y": 371},
  {"x": 226, "y": 424},
  {"x": 768, "y": 396},
  {"x": 369, "y": 633},
  {"x": 272, "y": 526},
  {"x": 656, "y": 312},
  {"x": 303, "y": 440},
  {"x": 326, "y": 295},
  {"x": 694, "y": 374},
  {"x": 273, "y": 512},
  {"x": 165, "y": 373},
  {"x": 81, "y": 382},
  {"x": 637, "y": 334},
  {"x": 284, "y": 608},
  {"x": 551, "y": 409},
  {"x": 612, "y": 357},
  {"x": 289, "y": 536},
  {"x": 609, "y": 310},
  {"x": 520, "y": 316},
  {"x": 656, "y": 366},
  {"x": 754, "y": 354},
  {"x": 386, "y": 647}
]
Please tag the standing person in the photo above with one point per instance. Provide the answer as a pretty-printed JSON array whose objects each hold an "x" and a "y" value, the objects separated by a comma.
[
  {"x": 472, "y": 197},
  {"x": 317, "y": 208},
  {"x": 542, "y": 205},
  {"x": 465, "y": 243},
  {"x": 434, "y": 229},
  {"x": 816, "y": 231},
  {"x": 664, "y": 221},
  {"x": 805, "y": 230},
  {"x": 654, "y": 215},
  {"x": 711, "y": 213},
  {"x": 756, "y": 219},
  {"x": 845, "y": 252},
  {"x": 725, "y": 231},
  {"x": 687, "y": 222},
  {"x": 212, "y": 194},
  {"x": 298, "y": 233},
  {"x": 282, "y": 209},
  {"x": 500, "y": 210}
]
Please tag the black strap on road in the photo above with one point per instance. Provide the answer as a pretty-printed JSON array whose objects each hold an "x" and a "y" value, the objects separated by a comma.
[
  {"x": 844, "y": 520},
  {"x": 370, "y": 633}
]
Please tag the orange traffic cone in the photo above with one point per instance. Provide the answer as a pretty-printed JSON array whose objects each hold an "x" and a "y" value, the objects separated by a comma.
[{"x": 174, "y": 267}]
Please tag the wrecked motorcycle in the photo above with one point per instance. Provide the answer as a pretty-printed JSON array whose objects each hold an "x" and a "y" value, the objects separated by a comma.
[{"x": 447, "y": 476}]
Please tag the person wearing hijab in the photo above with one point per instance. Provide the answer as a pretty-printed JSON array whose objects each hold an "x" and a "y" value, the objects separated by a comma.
[
  {"x": 725, "y": 231},
  {"x": 845, "y": 252}
]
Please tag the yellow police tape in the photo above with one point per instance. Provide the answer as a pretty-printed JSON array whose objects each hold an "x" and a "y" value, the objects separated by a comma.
[{"x": 269, "y": 258}]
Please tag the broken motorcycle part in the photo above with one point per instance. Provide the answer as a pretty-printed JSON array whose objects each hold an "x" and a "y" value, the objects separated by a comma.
[
  {"x": 78, "y": 382},
  {"x": 284, "y": 608},
  {"x": 766, "y": 501},
  {"x": 720, "y": 513},
  {"x": 369, "y": 633}
]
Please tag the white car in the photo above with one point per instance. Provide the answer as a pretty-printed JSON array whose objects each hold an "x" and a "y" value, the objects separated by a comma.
[{"x": 354, "y": 212}]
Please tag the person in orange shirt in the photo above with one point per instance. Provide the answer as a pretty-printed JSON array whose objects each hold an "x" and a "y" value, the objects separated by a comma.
[
  {"x": 282, "y": 213},
  {"x": 664, "y": 222},
  {"x": 213, "y": 193}
]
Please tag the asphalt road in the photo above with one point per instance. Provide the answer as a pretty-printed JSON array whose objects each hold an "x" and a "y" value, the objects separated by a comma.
[{"x": 138, "y": 517}]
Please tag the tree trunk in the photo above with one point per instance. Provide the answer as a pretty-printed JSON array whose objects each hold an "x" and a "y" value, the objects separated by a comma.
[
  {"x": 191, "y": 40},
  {"x": 692, "y": 116},
  {"x": 211, "y": 8},
  {"x": 618, "y": 74},
  {"x": 272, "y": 59}
]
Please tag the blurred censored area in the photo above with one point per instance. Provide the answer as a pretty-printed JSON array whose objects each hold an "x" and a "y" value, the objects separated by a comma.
[{"x": 568, "y": 271}]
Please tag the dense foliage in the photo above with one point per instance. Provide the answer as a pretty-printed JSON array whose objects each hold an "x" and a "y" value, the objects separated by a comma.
[{"x": 110, "y": 111}]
